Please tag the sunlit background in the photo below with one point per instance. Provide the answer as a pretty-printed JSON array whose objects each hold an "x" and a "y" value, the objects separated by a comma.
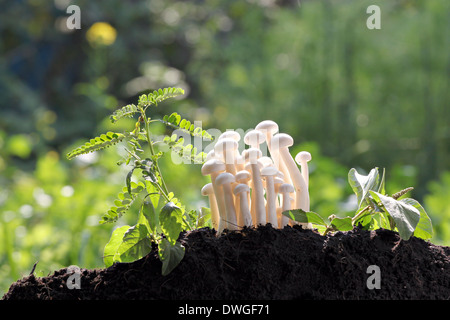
[{"x": 351, "y": 96}]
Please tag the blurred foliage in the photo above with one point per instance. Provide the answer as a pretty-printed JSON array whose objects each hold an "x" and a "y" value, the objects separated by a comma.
[{"x": 353, "y": 97}]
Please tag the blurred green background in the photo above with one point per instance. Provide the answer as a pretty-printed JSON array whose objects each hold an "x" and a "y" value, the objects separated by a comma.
[{"x": 351, "y": 96}]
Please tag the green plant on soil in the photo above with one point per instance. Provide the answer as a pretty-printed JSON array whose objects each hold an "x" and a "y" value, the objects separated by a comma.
[
  {"x": 375, "y": 210},
  {"x": 161, "y": 215}
]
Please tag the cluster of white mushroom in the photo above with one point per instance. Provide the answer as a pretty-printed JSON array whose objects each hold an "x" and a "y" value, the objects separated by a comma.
[{"x": 252, "y": 189}]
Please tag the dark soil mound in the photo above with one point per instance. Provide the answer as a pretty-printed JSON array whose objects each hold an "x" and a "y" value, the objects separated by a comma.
[{"x": 266, "y": 263}]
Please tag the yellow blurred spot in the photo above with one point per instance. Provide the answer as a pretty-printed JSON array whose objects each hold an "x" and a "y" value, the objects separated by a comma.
[{"x": 101, "y": 33}]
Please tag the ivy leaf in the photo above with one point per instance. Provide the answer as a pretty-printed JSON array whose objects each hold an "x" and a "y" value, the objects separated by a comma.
[
  {"x": 171, "y": 221},
  {"x": 301, "y": 216},
  {"x": 170, "y": 255},
  {"x": 405, "y": 215}
]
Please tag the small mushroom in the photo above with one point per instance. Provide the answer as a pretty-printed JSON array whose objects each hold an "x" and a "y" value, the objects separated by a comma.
[
  {"x": 208, "y": 190},
  {"x": 241, "y": 192},
  {"x": 226, "y": 148},
  {"x": 285, "y": 189},
  {"x": 258, "y": 209},
  {"x": 213, "y": 168},
  {"x": 254, "y": 138},
  {"x": 282, "y": 142},
  {"x": 268, "y": 173},
  {"x": 302, "y": 158},
  {"x": 225, "y": 180}
]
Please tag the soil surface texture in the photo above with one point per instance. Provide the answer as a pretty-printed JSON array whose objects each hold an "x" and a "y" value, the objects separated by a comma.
[{"x": 265, "y": 263}]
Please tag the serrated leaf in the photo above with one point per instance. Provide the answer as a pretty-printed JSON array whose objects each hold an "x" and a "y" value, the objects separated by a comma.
[
  {"x": 405, "y": 215},
  {"x": 135, "y": 244},
  {"x": 170, "y": 255},
  {"x": 301, "y": 216},
  {"x": 114, "y": 242},
  {"x": 171, "y": 221}
]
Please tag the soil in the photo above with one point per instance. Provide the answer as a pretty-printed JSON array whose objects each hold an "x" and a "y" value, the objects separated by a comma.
[{"x": 265, "y": 263}]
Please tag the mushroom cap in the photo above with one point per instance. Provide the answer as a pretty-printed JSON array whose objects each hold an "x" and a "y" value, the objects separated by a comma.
[
  {"x": 248, "y": 165},
  {"x": 207, "y": 189},
  {"x": 224, "y": 178},
  {"x": 210, "y": 155},
  {"x": 225, "y": 145},
  {"x": 230, "y": 134},
  {"x": 286, "y": 188},
  {"x": 267, "y": 126},
  {"x": 252, "y": 155},
  {"x": 303, "y": 156},
  {"x": 269, "y": 171},
  {"x": 241, "y": 188},
  {"x": 254, "y": 137},
  {"x": 212, "y": 166},
  {"x": 282, "y": 140},
  {"x": 243, "y": 175}
]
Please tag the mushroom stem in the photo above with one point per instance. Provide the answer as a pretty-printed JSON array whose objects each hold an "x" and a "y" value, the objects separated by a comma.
[
  {"x": 269, "y": 173},
  {"x": 225, "y": 180},
  {"x": 208, "y": 190},
  {"x": 244, "y": 218},
  {"x": 285, "y": 190},
  {"x": 258, "y": 206}
]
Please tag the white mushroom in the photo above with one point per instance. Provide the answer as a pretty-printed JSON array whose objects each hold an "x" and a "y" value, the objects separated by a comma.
[
  {"x": 268, "y": 173},
  {"x": 257, "y": 203},
  {"x": 213, "y": 168},
  {"x": 282, "y": 142},
  {"x": 241, "y": 192},
  {"x": 225, "y": 180},
  {"x": 226, "y": 148},
  {"x": 254, "y": 138},
  {"x": 269, "y": 128},
  {"x": 302, "y": 158},
  {"x": 208, "y": 190},
  {"x": 285, "y": 189}
]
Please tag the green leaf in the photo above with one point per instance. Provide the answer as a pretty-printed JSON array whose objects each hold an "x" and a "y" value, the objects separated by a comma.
[
  {"x": 135, "y": 244},
  {"x": 170, "y": 255},
  {"x": 171, "y": 221},
  {"x": 405, "y": 215},
  {"x": 361, "y": 184},
  {"x": 424, "y": 228},
  {"x": 162, "y": 94},
  {"x": 114, "y": 242},
  {"x": 98, "y": 143},
  {"x": 342, "y": 224},
  {"x": 149, "y": 212},
  {"x": 301, "y": 216},
  {"x": 127, "y": 111}
]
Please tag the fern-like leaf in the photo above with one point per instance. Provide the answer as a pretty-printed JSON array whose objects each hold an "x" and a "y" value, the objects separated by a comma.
[
  {"x": 187, "y": 152},
  {"x": 123, "y": 202},
  {"x": 127, "y": 111},
  {"x": 160, "y": 95},
  {"x": 98, "y": 143},
  {"x": 176, "y": 122}
]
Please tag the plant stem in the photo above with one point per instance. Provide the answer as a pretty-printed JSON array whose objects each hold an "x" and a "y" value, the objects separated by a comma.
[
  {"x": 359, "y": 215},
  {"x": 163, "y": 186}
]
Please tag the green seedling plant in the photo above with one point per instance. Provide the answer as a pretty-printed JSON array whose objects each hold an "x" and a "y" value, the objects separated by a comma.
[
  {"x": 161, "y": 216},
  {"x": 376, "y": 209}
]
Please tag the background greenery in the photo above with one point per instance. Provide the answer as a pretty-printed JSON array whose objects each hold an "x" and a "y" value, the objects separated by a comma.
[{"x": 351, "y": 96}]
